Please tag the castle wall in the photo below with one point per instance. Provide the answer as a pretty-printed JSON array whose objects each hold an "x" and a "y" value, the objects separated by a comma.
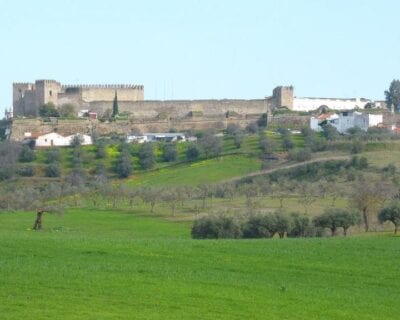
[
  {"x": 185, "y": 108},
  {"x": 108, "y": 94}
]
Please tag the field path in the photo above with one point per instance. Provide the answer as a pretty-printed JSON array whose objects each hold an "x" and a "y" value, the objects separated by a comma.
[{"x": 289, "y": 166}]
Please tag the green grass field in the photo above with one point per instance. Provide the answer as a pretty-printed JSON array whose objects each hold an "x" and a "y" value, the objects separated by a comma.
[
  {"x": 204, "y": 171},
  {"x": 124, "y": 265}
]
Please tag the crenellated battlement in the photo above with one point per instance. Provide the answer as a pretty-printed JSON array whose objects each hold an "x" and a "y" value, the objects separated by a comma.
[
  {"x": 103, "y": 86},
  {"x": 47, "y": 81},
  {"x": 22, "y": 83}
]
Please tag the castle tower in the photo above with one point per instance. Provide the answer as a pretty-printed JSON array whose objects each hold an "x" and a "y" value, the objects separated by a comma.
[
  {"x": 47, "y": 91},
  {"x": 20, "y": 90},
  {"x": 283, "y": 96}
]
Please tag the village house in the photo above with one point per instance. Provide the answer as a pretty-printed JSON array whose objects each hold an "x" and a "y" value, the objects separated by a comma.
[
  {"x": 54, "y": 139},
  {"x": 346, "y": 120}
]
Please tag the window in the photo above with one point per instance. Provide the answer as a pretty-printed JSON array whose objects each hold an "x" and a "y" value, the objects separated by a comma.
[{"x": 51, "y": 93}]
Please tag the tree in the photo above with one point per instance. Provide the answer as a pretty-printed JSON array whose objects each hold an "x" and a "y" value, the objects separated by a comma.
[
  {"x": 262, "y": 122},
  {"x": 52, "y": 170},
  {"x": 232, "y": 129},
  {"x": 67, "y": 110},
  {"x": 146, "y": 155},
  {"x": 334, "y": 218},
  {"x": 150, "y": 195},
  {"x": 48, "y": 110},
  {"x": 212, "y": 145},
  {"x": 393, "y": 95},
  {"x": 170, "y": 152},
  {"x": 27, "y": 154},
  {"x": 192, "y": 152},
  {"x": 238, "y": 139},
  {"x": 329, "y": 132},
  {"x": 124, "y": 167},
  {"x": 267, "y": 145},
  {"x": 115, "y": 106},
  {"x": 53, "y": 155},
  {"x": 368, "y": 196},
  {"x": 391, "y": 213},
  {"x": 100, "y": 149}
]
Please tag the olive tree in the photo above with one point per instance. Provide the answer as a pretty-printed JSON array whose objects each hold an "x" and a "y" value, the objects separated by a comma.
[{"x": 391, "y": 213}]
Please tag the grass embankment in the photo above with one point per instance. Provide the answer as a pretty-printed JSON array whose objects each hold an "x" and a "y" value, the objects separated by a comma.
[{"x": 110, "y": 265}]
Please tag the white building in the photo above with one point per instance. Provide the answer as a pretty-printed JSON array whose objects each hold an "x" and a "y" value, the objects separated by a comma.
[
  {"x": 346, "y": 120},
  {"x": 326, "y": 118},
  {"x": 57, "y": 140},
  {"x": 309, "y": 104},
  {"x": 153, "y": 137}
]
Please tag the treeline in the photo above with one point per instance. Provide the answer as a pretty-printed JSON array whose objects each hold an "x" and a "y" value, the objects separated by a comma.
[{"x": 267, "y": 225}]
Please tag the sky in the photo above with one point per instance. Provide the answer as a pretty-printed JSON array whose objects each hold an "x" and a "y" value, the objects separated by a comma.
[{"x": 203, "y": 49}]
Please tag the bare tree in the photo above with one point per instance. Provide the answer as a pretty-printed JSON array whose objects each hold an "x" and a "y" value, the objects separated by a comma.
[{"x": 368, "y": 196}]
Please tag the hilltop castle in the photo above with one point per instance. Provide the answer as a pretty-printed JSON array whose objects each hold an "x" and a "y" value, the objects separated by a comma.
[{"x": 28, "y": 97}]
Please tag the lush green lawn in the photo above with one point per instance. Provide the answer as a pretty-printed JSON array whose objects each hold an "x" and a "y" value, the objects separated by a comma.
[
  {"x": 110, "y": 265},
  {"x": 203, "y": 171}
]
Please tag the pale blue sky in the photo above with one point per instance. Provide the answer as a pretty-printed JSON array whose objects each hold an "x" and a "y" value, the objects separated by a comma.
[{"x": 190, "y": 49}]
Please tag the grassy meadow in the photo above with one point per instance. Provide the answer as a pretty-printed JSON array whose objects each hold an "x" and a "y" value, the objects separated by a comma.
[
  {"x": 94, "y": 264},
  {"x": 119, "y": 260}
]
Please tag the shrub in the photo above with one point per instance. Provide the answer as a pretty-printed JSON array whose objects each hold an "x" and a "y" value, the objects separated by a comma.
[
  {"x": 216, "y": 227},
  {"x": 123, "y": 167},
  {"x": 357, "y": 146},
  {"x": 232, "y": 129},
  {"x": 192, "y": 152},
  {"x": 26, "y": 171},
  {"x": 53, "y": 155},
  {"x": 147, "y": 159},
  {"x": 211, "y": 144},
  {"x": 256, "y": 226},
  {"x": 300, "y": 155},
  {"x": 300, "y": 226},
  {"x": 48, "y": 110},
  {"x": 391, "y": 213},
  {"x": 169, "y": 152},
  {"x": 26, "y": 154},
  {"x": 252, "y": 128},
  {"x": 334, "y": 218},
  {"x": 52, "y": 170}
]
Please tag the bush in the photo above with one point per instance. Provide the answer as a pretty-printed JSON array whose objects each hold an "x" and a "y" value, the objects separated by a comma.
[
  {"x": 357, "y": 147},
  {"x": 100, "y": 150},
  {"x": 216, "y": 227},
  {"x": 252, "y": 128},
  {"x": 192, "y": 152},
  {"x": 26, "y": 154},
  {"x": 256, "y": 226},
  {"x": 334, "y": 218},
  {"x": 300, "y": 155},
  {"x": 147, "y": 159},
  {"x": 52, "y": 170},
  {"x": 48, "y": 110},
  {"x": 123, "y": 166},
  {"x": 6, "y": 172},
  {"x": 170, "y": 152},
  {"x": 232, "y": 129},
  {"x": 300, "y": 226},
  {"x": 26, "y": 171},
  {"x": 53, "y": 155},
  {"x": 391, "y": 213},
  {"x": 211, "y": 144}
]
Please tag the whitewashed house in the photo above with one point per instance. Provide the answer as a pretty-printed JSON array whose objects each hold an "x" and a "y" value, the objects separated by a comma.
[
  {"x": 316, "y": 123},
  {"x": 346, "y": 120},
  {"x": 54, "y": 139},
  {"x": 51, "y": 139},
  {"x": 153, "y": 137}
]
